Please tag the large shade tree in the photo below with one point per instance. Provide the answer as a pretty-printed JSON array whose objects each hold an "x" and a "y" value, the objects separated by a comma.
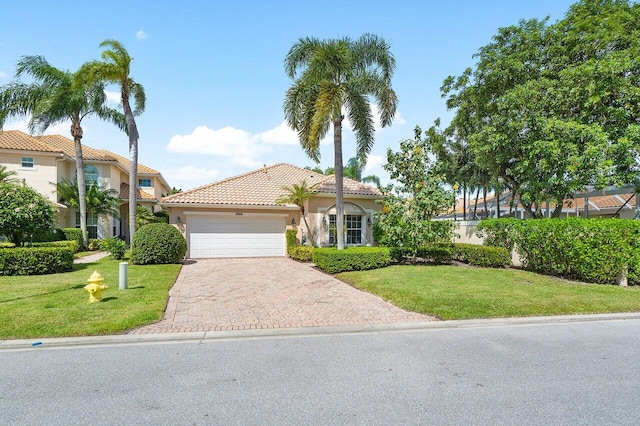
[
  {"x": 115, "y": 68},
  {"x": 551, "y": 109},
  {"x": 332, "y": 79},
  {"x": 55, "y": 96}
]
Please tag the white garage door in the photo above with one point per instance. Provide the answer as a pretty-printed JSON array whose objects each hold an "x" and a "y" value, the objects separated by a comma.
[{"x": 236, "y": 236}]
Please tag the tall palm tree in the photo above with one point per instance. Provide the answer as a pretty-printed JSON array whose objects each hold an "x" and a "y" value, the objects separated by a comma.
[
  {"x": 7, "y": 176},
  {"x": 56, "y": 96},
  {"x": 298, "y": 195},
  {"x": 115, "y": 68},
  {"x": 332, "y": 78}
]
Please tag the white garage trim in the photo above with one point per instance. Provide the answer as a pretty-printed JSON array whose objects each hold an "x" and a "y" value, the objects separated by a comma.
[{"x": 230, "y": 235}]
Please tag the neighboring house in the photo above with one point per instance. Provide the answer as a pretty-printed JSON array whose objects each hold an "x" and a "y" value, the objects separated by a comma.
[
  {"x": 42, "y": 161},
  {"x": 619, "y": 202},
  {"x": 239, "y": 216}
]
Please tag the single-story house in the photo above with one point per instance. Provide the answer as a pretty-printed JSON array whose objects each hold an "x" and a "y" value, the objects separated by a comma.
[
  {"x": 42, "y": 161},
  {"x": 240, "y": 216}
]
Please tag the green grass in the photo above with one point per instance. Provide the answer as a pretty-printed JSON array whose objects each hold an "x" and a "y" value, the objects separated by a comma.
[
  {"x": 453, "y": 292},
  {"x": 58, "y": 305}
]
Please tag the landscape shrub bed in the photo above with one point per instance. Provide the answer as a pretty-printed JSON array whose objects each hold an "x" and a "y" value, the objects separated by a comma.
[
  {"x": 71, "y": 245},
  {"x": 472, "y": 254},
  {"x": 73, "y": 234},
  {"x": 433, "y": 254},
  {"x": 35, "y": 260},
  {"x": 591, "y": 250},
  {"x": 301, "y": 253},
  {"x": 332, "y": 260}
]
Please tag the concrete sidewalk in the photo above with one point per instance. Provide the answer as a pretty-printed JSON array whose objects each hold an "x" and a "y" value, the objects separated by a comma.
[{"x": 92, "y": 257}]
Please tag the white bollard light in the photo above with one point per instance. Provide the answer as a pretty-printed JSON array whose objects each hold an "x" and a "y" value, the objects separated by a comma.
[{"x": 124, "y": 276}]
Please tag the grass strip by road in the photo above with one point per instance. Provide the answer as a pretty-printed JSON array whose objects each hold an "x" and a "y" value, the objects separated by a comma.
[
  {"x": 455, "y": 292},
  {"x": 58, "y": 305}
]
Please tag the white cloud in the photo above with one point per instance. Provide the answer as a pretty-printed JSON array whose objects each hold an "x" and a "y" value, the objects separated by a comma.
[
  {"x": 141, "y": 35},
  {"x": 63, "y": 128},
  {"x": 372, "y": 162},
  {"x": 281, "y": 135},
  {"x": 2, "y": 74},
  {"x": 191, "y": 173},
  {"x": 239, "y": 146},
  {"x": 113, "y": 97}
]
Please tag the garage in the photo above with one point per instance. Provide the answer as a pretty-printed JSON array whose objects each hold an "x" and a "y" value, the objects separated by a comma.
[{"x": 238, "y": 235}]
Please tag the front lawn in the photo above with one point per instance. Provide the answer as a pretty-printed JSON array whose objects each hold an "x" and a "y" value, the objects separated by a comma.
[
  {"x": 454, "y": 292},
  {"x": 58, "y": 305}
]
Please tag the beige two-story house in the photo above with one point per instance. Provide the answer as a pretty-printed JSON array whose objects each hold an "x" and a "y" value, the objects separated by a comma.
[{"x": 42, "y": 161}]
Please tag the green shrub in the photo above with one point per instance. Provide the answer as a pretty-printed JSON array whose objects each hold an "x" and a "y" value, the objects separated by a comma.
[
  {"x": 332, "y": 260},
  {"x": 35, "y": 260},
  {"x": 6, "y": 245},
  {"x": 74, "y": 234},
  {"x": 292, "y": 241},
  {"x": 157, "y": 243},
  {"x": 115, "y": 246},
  {"x": 434, "y": 254},
  {"x": 48, "y": 235},
  {"x": 301, "y": 253},
  {"x": 71, "y": 245},
  {"x": 94, "y": 244},
  {"x": 484, "y": 256},
  {"x": 498, "y": 232}
]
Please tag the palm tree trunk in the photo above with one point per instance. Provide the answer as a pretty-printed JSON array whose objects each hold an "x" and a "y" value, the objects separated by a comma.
[
  {"x": 132, "y": 129},
  {"x": 76, "y": 132},
  {"x": 337, "y": 149}
]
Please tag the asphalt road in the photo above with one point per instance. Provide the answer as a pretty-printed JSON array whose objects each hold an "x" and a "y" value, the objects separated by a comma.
[{"x": 541, "y": 374}]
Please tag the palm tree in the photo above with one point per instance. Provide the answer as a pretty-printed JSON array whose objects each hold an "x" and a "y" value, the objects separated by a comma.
[
  {"x": 115, "y": 69},
  {"x": 298, "y": 195},
  {"x": 98, "y": 200},
  {"x": 7, "y": 176},
  {"x": 330, "y": 76},
  {"x": 53, "y": 97}
]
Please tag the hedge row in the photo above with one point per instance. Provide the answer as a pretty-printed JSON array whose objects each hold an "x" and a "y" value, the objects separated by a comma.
[
  {"x": 484, "y": 256},
  {"x": 71, "y": 245},
  {"x": 74, "y": 234},
  {"x": 301, "y": 253},
  {"x": 35, "y": 260},
  {"x": 332, "y": 260},
  {"x": 591, "y": 250}
]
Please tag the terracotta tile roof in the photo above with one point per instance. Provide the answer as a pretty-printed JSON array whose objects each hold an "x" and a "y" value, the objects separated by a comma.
[
  {"x": 124, "y": 162},
  {"x": 67, "y": 146},
  {"x": 142, "y": 195},
  {"x": 15, "y": 139},
  {"x": 263, "y": 187}
]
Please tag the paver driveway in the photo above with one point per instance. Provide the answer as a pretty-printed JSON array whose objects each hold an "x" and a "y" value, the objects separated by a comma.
[{"x": 241, "y": 294}]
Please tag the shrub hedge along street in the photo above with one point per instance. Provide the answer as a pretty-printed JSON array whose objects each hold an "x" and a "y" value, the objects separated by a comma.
[
  {"x": 332, "y": 260},
  {"x": 35, "y": 260}
]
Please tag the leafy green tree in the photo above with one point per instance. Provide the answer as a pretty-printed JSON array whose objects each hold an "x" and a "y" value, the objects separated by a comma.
[
  {"x": 23, "y": 213},
  {"x": 56, "y": 96},
  {"x": 7, "y": 176},
  {"x": 416, "y": 196},
  {"x": 550, "y": 109},
  {"x": 115, "y": 68},
  {"x": 299, "y": 195},
  {"x": 332, "y": 78},
  {"x": 97, "y": 199},
  {"x": 144, "y": 216}
]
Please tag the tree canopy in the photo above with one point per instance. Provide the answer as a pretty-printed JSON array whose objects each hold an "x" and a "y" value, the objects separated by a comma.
[
  {"x": 552, "y": 108},
  {"x": 23, "y": 213}
]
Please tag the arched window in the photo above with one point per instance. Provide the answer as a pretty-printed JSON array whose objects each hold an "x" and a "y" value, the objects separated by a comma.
[{"x": 354, "y": 219}]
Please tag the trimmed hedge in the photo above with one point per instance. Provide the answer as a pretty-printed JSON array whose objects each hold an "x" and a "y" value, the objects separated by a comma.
[
  {"x": 292, "y": 241},
  {"x": 332, "y": 260},
  {"x": 71, "y": 245},
  {"x": 301, "y": 253},
  {"x": 472, "y": 254},
  {"x": 434, "y": 254},
  {"x": 157, "y": 243},
  {"x": 74, "y": 234},
  {"x": 35, "y": 260},
  {"x": 591, "y": 250}
]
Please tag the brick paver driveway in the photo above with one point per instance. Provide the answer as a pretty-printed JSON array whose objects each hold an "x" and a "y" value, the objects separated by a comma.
[{"x": 256, "y": 293}]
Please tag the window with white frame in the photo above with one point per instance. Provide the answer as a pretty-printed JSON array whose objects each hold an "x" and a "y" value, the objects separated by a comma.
[
  {"x": 92, "y": 224},
  {"x": 144, "y": 183},
  {"x": 27, "y": 163},
  {"x": 352, "y": 229}
]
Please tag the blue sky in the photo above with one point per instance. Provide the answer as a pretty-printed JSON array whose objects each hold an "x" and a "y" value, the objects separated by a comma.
[{"x": 213, "y": 70}]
